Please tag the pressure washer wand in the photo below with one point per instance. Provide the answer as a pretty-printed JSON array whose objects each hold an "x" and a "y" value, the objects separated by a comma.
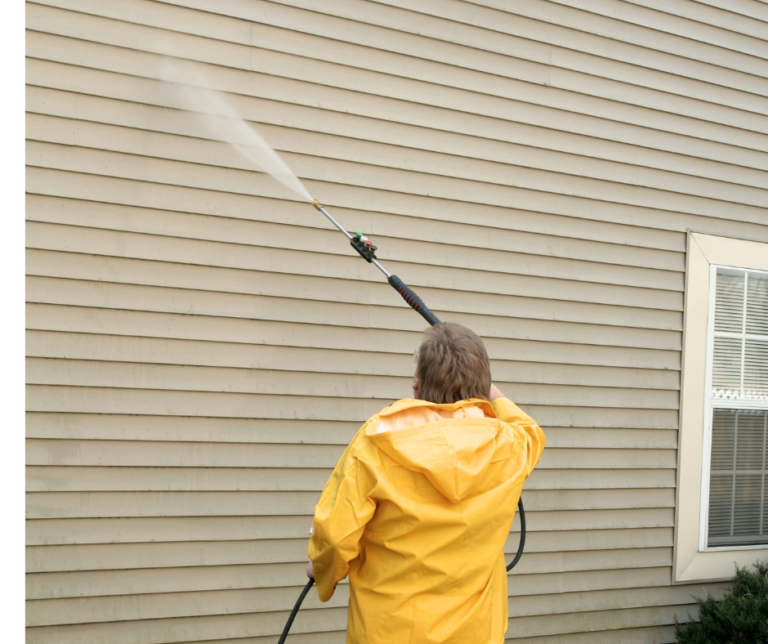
[{"x": 368, "y": 252}]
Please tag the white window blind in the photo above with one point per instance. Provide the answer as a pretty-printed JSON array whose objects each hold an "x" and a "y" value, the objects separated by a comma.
[{"x": 738, "y": 409}]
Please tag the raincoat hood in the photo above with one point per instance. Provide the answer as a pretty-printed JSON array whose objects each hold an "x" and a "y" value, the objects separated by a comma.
[{"x": 451, "y": 445}]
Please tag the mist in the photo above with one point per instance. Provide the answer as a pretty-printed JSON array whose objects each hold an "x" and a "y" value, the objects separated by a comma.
[{"x": 194, "y": 94}]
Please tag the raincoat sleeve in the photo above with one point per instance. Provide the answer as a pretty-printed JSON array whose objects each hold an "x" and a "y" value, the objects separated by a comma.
[
  {"x": 511, "y": 414},
  {"x": 345, "y": 507}
]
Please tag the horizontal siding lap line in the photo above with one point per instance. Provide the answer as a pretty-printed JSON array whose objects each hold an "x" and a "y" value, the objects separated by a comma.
[
  {"x": 98, "y": 477},
  {"x": 538, "y": 584},
  {"x": 159, "y": 144},
  {"x": 188, "y": 429},
  {"x": 52, "y": 530},
  {"x": 650, "y": 471},
  {"x": 144, "y": 384},
  {"x": 96, "y": 505},
  {"x": 99, "y": 558},
  {"x": 547, "y": 539},
  {"x": 41, "y": 602},
  {"x": 649, "y": 525},
  {"x": 330, "y": 450},
  {"x": 265, "y": 437},
  {"x": 238, "y": 462},
  {"x": 662, "y": 634},
  {"x": 344, "y": 59},
  {"x": 245, "y": 370},
  {"x": 640, "y": 635}
]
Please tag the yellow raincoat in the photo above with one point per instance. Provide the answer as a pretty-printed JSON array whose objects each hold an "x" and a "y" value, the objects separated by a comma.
[{"x": 417, "y": 512}]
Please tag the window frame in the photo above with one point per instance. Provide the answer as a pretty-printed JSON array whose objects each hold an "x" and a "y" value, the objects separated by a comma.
[{"x": 692, "y": 560}]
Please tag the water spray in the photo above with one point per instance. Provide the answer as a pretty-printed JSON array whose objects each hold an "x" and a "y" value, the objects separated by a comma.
[{"x": 367, "y": 251}]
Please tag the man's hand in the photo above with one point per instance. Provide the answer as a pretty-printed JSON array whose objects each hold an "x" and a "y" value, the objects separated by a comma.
[
  {"x": 310, "y": 572},
  {"x": 495, "y": 393}
]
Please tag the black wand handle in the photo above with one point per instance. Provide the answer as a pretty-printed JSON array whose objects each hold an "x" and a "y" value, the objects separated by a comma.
[{"x": 413, "y": 300}]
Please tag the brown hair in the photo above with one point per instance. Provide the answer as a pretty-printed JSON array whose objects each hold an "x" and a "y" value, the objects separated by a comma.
[{"x": 452, "y": 365}]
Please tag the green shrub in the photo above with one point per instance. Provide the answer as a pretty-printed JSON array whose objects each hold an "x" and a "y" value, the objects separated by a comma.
[{"x": 739, "y": 617}]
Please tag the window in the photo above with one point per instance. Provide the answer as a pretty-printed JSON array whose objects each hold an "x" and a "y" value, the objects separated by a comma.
[
  {"x": 735, "y": 510},
  {"x": 721, "y": 513}
]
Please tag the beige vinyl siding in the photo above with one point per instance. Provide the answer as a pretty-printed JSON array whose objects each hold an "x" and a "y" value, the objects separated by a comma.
[{"x": 202, "y": 345}]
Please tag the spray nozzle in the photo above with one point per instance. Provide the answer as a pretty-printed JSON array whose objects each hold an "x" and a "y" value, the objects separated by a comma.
[{"x": 317, "y": 204}]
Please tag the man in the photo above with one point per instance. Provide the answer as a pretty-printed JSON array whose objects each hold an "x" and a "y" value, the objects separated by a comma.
[{"x": 420, "y": 504}]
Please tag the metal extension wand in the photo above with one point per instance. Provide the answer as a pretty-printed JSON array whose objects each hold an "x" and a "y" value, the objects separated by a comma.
[{"x": 368, "y": 252}]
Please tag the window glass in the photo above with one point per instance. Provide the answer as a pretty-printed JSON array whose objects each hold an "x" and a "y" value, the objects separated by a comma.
[
  {"x": 738, "y": 512},
  {"x": 738, "y": 499}
]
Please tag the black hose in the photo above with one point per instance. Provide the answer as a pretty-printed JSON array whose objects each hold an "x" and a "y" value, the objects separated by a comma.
[
  {"x": 520, "y": 547},
  {"x": 295, "y": 610}
]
